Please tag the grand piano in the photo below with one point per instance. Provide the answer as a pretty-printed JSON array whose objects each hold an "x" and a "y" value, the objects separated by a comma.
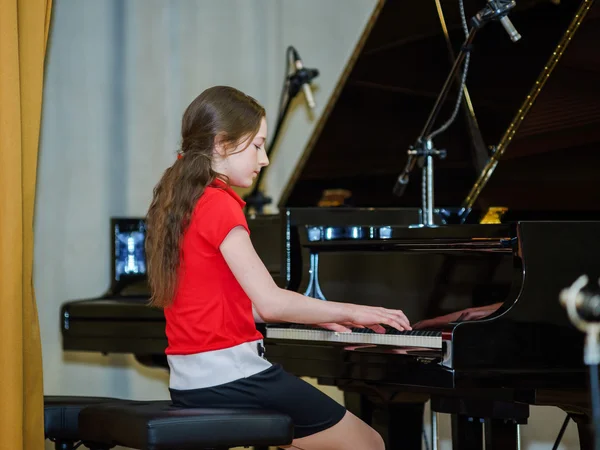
[{"x": 515, "y": 221}]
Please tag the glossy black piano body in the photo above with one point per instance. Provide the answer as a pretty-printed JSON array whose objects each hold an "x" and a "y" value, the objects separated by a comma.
[
  {"x": 539, "y": 168},
  {"x": 529, "y": 333},
  {"x": 526, "y": 353}
]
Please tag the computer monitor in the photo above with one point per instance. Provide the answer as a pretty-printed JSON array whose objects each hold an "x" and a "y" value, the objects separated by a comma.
[{"x": 128, "y": 261}]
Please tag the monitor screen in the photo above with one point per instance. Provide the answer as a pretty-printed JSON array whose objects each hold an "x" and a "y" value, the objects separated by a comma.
[{"x": 129, "y": 253}]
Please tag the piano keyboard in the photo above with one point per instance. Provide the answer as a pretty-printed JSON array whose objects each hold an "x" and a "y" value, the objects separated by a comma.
[{"x": 392, "y": 337}]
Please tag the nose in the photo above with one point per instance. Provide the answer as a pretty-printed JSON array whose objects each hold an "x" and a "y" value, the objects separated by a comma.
[{"x": 263, "y": 159}]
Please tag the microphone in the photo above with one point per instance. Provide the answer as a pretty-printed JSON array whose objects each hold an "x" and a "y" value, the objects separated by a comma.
[
  {"x": 582, "y": 303},
  {"x": 303, "y": 77},
  {"x": 497, "y": 9},
  {"x": 510, "y": 29},
  {"x": 403, "y": 178},
  {"x": 417, "y": 154},
  {"x": 588, "y": 305},
  {"x": 400, "y": 185}
]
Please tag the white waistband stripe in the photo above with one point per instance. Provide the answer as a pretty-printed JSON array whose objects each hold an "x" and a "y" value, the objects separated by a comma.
[{"x": 216, "y": 367}]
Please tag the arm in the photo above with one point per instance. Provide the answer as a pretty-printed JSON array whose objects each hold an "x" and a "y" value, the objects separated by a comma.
[
  {"x": 274, "y": 304},
  {"x": 257, "y": 317}
]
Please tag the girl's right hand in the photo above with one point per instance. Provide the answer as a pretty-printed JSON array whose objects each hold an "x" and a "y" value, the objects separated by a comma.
[{"x": 374, "y": 316}]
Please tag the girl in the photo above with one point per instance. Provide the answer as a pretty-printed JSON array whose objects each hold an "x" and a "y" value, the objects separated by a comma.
[{"x": 205, "y": 273}]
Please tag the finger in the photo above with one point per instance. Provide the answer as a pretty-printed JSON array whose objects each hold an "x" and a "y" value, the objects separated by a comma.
[
  {"x": 352, "y": 325},
  {"x": 377, "y": 328},
  {"x": 392, "y": 323},
  {"x": 336, "y": 327},
  {"x": 400, "y": 317}
]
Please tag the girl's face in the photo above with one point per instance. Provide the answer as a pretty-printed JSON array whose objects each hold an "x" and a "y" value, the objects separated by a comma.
[{"x": 242, "y": 164}]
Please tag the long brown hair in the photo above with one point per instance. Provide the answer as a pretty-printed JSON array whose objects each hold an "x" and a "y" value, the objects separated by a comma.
[{"x": 219, "y": 112}]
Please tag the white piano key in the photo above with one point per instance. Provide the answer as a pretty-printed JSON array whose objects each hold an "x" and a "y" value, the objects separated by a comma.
[{"x": 405, "y": 340}]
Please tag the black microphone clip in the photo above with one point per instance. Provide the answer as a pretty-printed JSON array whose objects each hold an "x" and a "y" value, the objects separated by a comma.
[{"x": 301, "y": 79}]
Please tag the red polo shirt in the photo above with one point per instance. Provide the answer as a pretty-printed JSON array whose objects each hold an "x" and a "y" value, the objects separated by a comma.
[{"x": 210, "y": 311}]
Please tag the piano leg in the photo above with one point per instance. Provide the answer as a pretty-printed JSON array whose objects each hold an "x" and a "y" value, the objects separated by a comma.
[
  {"x": 400, "y": 424},
  {"x": 501, "y": 434},
  {"x": 584, "y": 428},
  {"x": 467, "y": 432},
  {"x": 469, "y": 414}
]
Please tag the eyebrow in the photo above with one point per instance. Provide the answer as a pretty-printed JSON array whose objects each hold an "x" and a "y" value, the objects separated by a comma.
[{"x": 260, "y": 138}]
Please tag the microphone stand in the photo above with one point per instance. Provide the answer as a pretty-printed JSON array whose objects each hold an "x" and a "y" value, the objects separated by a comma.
[
  {"x": 256, "y": 199},
  {"x": 423, "y": 151},
  {"x": 573, "y": 299}
]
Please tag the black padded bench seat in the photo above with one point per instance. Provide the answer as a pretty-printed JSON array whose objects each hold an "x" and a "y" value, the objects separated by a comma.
[
  {"x": 61, "y": 417},
  {"x": 158, "y": 425}
]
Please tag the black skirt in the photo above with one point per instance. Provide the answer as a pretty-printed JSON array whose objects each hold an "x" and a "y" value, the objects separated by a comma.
[{"x": 275, "y": 389}]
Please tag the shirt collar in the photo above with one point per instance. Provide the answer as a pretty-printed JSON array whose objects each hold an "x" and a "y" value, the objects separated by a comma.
[{"x": 220, "y": 184}]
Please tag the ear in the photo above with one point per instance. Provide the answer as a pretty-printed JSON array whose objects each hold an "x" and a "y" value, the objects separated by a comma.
[{"x": 220, "y": 144}]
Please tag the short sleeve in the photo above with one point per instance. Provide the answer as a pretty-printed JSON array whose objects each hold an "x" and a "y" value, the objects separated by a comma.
[{"x": 217, "y": 215}]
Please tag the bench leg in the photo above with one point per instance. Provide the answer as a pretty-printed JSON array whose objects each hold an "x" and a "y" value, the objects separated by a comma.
[
  {"x": 70, "y": 445},
  {"x": 64, "y": 445},
  {"x": 94, "y": 446}
]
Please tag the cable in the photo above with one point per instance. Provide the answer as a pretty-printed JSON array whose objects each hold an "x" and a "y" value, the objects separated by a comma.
[
  {"x": 286, "y": 79},
  {"x": 256, "y": 198},
  {"x": 463, "y": 80}
]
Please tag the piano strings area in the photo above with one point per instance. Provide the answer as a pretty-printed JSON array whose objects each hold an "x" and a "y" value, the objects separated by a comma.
[{"x": 514, "y": 220}]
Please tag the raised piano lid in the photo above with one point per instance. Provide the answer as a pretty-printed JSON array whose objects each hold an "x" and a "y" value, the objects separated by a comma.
[{"x": 390, "y": 83}]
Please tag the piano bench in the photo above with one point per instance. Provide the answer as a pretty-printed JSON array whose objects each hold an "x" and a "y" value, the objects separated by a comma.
[
  {"x": 61, "y": 418},
  {"x": 158, "y": 425}
]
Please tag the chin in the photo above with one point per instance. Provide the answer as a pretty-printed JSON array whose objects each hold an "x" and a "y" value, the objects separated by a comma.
[
  {"x": 245, "y": 184},
  {"x": 242, "y": 182}
]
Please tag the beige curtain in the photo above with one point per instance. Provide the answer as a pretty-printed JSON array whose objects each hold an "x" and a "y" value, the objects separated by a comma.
[{"x": 24, "y": 28}]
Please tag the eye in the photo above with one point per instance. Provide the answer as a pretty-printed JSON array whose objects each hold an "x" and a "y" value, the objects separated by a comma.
[{"x": 257, "y": 147}]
